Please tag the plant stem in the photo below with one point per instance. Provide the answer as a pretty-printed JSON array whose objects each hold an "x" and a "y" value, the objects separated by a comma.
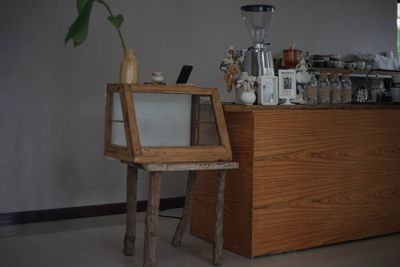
[{"x": 111, "y": 14}]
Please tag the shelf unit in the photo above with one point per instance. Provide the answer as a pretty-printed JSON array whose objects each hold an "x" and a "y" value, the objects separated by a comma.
[{"x": 386, "y": 74}]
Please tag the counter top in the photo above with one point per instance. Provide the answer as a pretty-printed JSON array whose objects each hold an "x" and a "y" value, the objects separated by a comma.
[{"x": 229, "y": 107}]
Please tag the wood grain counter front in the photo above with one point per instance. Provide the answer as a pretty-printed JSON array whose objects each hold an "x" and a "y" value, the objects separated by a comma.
[{"x": 308, "y": 176}]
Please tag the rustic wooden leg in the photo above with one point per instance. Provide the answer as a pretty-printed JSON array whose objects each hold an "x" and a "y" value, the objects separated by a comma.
[
  {"x": 130, "y": 232},
  {"x": 187, "y": 210},
  {"x": 219, "y": 222},
  {"x": 151, "y": 231}
]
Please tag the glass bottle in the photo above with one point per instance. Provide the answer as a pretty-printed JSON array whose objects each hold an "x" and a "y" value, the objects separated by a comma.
[
  {"x": 377, "y": 90},
  {"x": 324, "y": 94},
  {"x": 336, "y": 89},
  {"x": 347, "y": 89},
  {"x": 312, "y": 90}
]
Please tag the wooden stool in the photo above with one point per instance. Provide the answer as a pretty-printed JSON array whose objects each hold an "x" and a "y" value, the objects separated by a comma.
[{"x": 151, "y": 220}]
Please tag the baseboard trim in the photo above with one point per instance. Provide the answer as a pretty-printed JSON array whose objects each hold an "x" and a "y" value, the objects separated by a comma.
[{"x": 82, "y": 212}]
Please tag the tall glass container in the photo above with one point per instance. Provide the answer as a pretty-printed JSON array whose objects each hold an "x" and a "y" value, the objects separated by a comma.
[
  {"x": 312, "y": 90},
  {"x": 257, "y": 19},
  {"x": 347, "y": 89},
  {"x": 336, "y": 89},
  {"x": 324, "y": 90},
  {"x": 377, "y": 90}
]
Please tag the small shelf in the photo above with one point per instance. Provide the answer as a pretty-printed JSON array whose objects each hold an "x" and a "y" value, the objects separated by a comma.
[{"x": 386, "y": 74}]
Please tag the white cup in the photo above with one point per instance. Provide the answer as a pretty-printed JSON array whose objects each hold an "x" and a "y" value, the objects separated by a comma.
[{"x": 158, "y": 77}]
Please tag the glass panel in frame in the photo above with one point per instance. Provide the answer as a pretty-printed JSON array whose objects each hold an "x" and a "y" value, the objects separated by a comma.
[
  {"x": 163, "y": 119},
  {"x": 207, "y": 127},
  {"x": 117, "y": 122}
]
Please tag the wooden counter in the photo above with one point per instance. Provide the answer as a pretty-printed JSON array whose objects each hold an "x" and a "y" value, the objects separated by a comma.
[{"x": 308, "y": 176}]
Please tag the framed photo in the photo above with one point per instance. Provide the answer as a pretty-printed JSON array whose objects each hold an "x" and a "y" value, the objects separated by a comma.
[
  {"x": 159, "y": 123},
  {"x": 287, "y": 84},
  {"x": 268, "y": 91}
]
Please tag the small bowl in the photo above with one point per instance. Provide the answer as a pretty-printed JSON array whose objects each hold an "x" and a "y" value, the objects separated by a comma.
[{"x": 158, "y": 77}]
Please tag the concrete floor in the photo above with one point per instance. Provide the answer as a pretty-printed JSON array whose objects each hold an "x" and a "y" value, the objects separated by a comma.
[{"x": 98, "y": 242}]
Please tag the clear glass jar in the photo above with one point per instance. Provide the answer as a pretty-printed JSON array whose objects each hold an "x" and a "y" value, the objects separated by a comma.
[
  {"x": 324, "y": 94},
  {"x": 347, "y": 89},
  {"x": 377, "y": 90},
  {"x": 336, "y": 89},
  {"x": 312, "y": 90}
]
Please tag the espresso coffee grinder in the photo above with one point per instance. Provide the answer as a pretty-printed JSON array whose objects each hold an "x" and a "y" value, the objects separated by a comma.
[{"x": 257, "y": 59}]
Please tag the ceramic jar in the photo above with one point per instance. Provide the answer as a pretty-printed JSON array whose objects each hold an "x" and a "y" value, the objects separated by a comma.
[
  {"x": 248, "y": 97},
  {"x": 129, "y": 70}
]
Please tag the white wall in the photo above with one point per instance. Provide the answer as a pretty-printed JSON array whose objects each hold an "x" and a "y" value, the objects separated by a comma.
[{"x": 51, "y": 96}]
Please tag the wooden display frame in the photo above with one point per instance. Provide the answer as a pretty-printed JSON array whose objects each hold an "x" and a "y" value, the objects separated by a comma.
[{"x": 136, "y": 153}]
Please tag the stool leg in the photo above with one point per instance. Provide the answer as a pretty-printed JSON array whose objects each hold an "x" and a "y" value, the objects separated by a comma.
[
  {"x": 187, "y": 210},
  {"x": 219, "y": 222},
  {"x": 130, "y": 232},
  {"x": 151, "y": 231}
]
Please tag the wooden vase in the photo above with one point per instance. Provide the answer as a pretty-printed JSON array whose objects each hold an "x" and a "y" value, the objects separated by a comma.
[{"x": 129, "y": 70}]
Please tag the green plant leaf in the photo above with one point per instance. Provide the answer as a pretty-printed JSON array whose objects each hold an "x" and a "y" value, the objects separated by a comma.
[
  {"x": 116, "y": 21},
  {"x": 79, "y": 28},
  {"x": 80, "y": 4}
]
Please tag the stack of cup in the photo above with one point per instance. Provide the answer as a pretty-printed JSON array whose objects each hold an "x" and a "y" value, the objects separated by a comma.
[{"x": 337, "y": 61}]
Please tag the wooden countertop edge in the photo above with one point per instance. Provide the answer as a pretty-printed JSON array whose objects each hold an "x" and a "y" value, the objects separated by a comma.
[{"x": 229, "y": 107}]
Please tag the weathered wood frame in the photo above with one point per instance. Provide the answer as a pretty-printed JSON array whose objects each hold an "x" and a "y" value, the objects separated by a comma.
[{"x": 136, "y": 153}]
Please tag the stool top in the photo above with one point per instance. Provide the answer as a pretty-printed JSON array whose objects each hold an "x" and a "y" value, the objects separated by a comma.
[{"x": 187, "y": 166}]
